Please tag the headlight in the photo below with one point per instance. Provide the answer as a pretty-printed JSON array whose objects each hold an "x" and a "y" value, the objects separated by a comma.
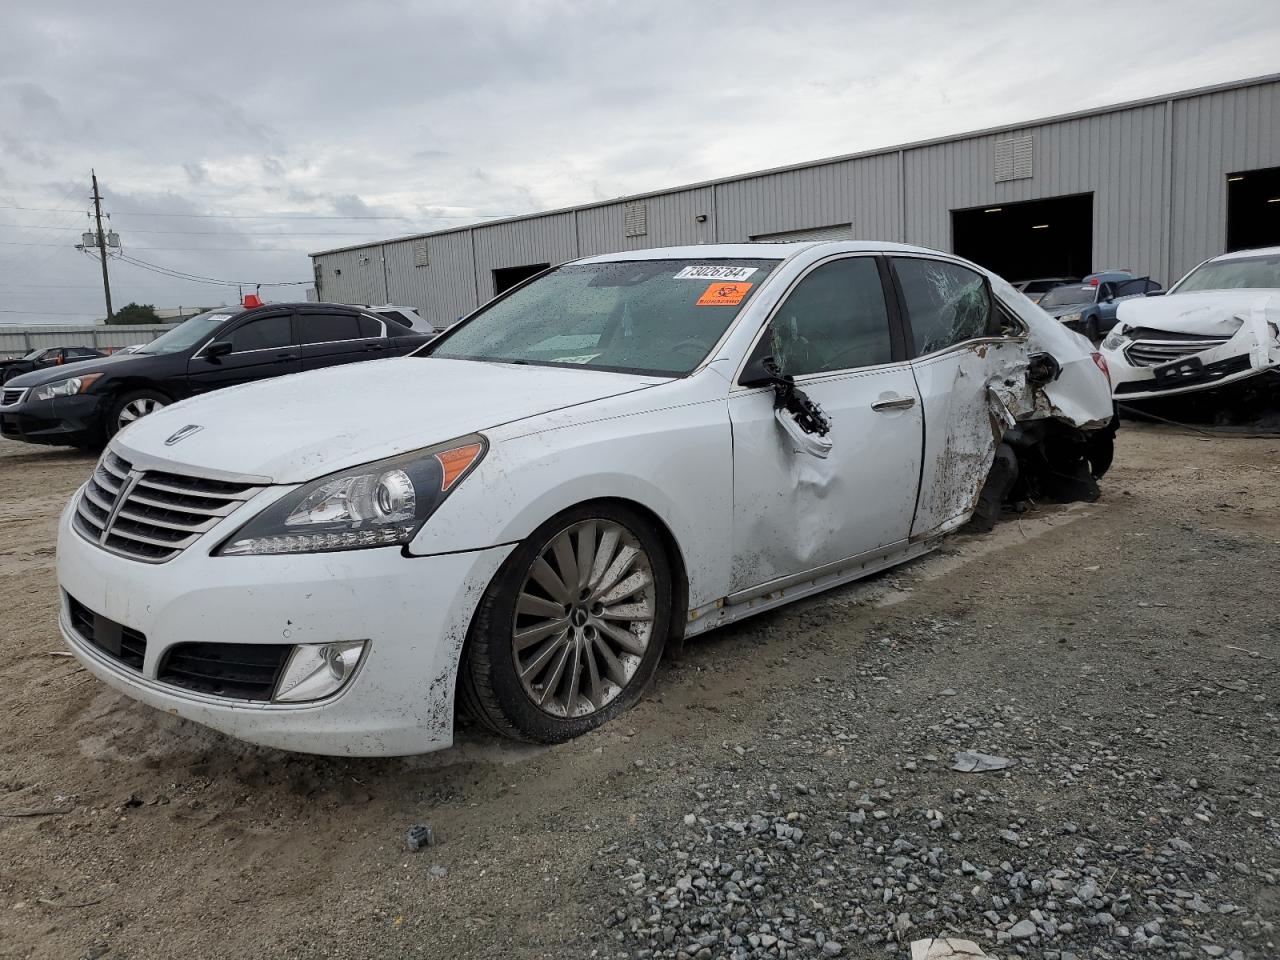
[
  {"x": 377, "y": 505},
  {"x": 1115, "y": 338},
  {"x": 65, "y": 388},
  {"x": 1069, "y": 318}
]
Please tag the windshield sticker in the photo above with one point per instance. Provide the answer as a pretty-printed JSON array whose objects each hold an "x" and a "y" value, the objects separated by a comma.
[
  {"x": 584, "y": 358},
  {"x": 219, "y": 317},
  {"x": 723, "y": 294},
  {"x": 715, "y": 272}
]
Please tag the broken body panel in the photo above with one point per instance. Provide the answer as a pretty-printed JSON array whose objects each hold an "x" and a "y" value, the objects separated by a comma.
[{"x": 755, "y": 516}]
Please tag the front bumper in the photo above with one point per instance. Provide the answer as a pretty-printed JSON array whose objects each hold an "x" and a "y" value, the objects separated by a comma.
[
  {"x": 413, "y": 612},
  {"x": 60, "y": 421},
  {"x": 1242, "y": 357}
]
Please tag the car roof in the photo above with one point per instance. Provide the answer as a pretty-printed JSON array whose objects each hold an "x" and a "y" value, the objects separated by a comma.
[
  {"x": 756, "y": 251},
  {"x": 1247, "y": 254}
]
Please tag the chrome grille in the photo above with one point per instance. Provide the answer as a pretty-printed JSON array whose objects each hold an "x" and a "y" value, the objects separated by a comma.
[
  {"x": 152, "y": 515},
  {"x": 11, "y": 395},
  {"x": 1152, "y": 353}
]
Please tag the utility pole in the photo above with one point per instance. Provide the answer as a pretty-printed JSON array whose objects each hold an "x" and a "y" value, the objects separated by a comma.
[{"x": 102, "y": 242}]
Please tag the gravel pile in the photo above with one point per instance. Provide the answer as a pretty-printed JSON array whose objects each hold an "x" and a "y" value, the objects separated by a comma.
[{"x": 771, "y": 862}]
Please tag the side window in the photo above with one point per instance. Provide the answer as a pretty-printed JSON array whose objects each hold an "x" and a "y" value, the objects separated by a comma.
[
  {"x": 369, "y": 327},
  {"x": 262, "y": 333},
  {"x": 328, "y": 327},
  {"x": 946, "y": 303},
  {"x": 834, "y": 319}
]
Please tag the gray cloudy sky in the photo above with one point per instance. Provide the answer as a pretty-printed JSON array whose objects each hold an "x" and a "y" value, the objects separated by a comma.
[{"x": 282, "y": 123}]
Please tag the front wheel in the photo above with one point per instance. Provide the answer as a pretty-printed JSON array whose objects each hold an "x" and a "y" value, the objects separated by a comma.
[
  {"x": 133, "y": 406},
  {"x": 571, "y": 629},
  {"x": 1091, "y": 329}
]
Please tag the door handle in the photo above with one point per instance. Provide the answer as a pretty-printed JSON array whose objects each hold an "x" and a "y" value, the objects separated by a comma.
[{"x": 894, "y": 403}]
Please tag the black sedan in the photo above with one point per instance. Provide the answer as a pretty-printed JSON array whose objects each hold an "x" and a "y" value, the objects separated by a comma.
[
  {"x": 87, "y": 405},
  {"x": 43, "y": 357}
]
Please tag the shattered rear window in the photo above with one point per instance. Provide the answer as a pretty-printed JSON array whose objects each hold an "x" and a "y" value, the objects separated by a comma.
[{"x": 946, "y": 303}]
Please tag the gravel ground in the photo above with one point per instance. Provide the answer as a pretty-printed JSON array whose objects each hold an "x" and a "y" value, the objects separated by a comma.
[{"x": 786, "y": 790}]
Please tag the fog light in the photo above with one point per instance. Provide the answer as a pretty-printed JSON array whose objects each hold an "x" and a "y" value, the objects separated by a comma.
[{"x": 316, "y": 670}]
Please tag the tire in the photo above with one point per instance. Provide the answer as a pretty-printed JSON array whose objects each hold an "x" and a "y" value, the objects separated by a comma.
[
  {"x": 1091, "y": 329},
  {"x": 562, "y": 627},
  {"x": 133, "y": 406},
  {"x": 9, "y": 375}
]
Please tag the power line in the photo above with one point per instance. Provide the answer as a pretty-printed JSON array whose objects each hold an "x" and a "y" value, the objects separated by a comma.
[
  {"x": 181, "y": 275},
  {"x": 20, "y": 243},
  {"x": 282, "y": 216},
  {"x": 213, "y": 233},
  {"x": 49, "y": 313}
]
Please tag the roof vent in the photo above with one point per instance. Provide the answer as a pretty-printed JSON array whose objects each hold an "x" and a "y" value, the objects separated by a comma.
[
  {"x": 1013, "y": 159},
  {"x": 637, "y": 219}
]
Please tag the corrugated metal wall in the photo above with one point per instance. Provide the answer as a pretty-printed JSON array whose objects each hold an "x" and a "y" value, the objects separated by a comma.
[
  {"x": 1157, "y": 173},
  {"x": 1116, "y": 157},
  {"x": 1214, "y": 135}
]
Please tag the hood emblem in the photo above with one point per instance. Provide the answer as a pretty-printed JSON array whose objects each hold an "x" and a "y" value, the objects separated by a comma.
[{"x": 182, "y": 434}]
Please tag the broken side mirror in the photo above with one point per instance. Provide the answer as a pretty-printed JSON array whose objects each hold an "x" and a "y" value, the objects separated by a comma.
[
  {"x": 756, "y": 372},
  {"x": 1042, "y": 368}
]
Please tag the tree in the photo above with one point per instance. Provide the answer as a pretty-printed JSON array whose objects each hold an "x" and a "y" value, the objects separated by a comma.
[{"x": 135, "y": 313}]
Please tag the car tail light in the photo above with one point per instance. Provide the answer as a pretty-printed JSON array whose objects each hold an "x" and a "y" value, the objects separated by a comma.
[{"x": 1101, "y": 361}]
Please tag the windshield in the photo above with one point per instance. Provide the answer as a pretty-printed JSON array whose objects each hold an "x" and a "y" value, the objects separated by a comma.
[
  {"x": 1075, "y": 293},
  {"x": 34, "y": 354},
  {"x": 1244, "y": 273},
  {"x": 638, "y": 316},
  {"x": 188, "y": 333}
]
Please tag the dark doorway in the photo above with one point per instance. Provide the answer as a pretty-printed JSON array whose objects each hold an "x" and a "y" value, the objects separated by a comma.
[
  {"x": 1253, "y": 209},
  {"x": 1024, "y": 241},
  {"x": 508, "y": 277}
]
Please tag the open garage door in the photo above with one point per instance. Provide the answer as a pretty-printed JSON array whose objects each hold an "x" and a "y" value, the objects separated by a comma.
[
  {"x": 839, "y": 231},
  {"x": 507, "y": 277},
  {"x": 1253, "y": 209},
  {"x": 1023, "y": 241}
]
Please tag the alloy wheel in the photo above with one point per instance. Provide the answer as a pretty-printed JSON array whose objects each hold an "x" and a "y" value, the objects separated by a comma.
[
  {"x": 584, "y": 618},
  {"x": 136, "y": 410}
]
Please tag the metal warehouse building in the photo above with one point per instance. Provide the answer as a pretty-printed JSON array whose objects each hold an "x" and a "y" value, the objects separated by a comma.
[{"x": 1153, "y": 186}]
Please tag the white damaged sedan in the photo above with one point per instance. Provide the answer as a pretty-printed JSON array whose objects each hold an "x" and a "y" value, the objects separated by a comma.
[
  {"x": 620, "y": 453},
  {"x": 1217, "y": 326}
]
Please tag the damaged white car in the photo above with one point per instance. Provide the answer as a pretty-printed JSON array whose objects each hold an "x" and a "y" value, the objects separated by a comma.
[
  {"x": 616, "y": 455},
  {"x": 1218, "y": 325}
]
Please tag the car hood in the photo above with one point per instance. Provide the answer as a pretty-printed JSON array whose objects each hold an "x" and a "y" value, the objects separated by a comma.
[
  {"x": 1207, "y": 312},
  {"x": 295, "y": 428},
  {"x": 63, "y": 370}
]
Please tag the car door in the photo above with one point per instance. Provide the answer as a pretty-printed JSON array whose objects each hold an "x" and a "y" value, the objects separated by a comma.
[
  {"x": 836, "y": 333},
  {"x": 330, "y": 337},
  {"x": 959, "y": 351},
  {"x": 262, "y": 346}
]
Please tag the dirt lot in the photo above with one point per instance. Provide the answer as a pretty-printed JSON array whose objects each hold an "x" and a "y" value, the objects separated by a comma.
[{"x": 784, "y": 790}]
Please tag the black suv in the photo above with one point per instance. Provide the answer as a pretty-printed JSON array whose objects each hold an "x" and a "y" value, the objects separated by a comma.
[
  {"x": 43, "y": 357},
  {"x": 86, "y": 405}
]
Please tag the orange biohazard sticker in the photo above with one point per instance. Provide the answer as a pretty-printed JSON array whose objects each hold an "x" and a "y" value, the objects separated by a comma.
[{"x": 723, "y": 294}]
